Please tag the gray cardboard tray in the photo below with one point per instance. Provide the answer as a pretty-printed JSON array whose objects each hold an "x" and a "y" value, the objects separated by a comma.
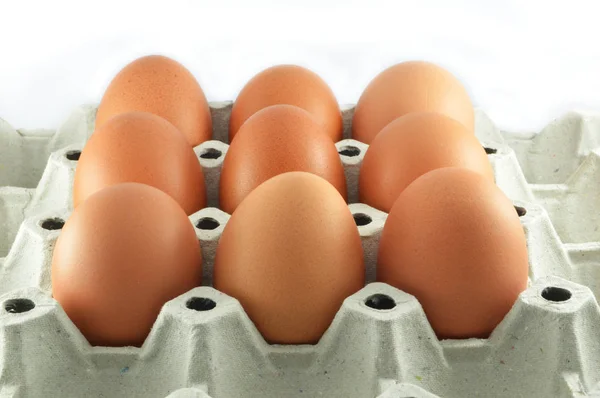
[{"x": 548, "y": 345}]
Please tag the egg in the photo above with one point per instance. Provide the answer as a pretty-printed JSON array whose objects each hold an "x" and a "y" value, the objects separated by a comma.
[
  {"x": 275, "y": 140},
  {"x": 411, "y": 146},
  {"x": 292, "y": 85},
  {"x": 162, "y": 86},
  {"x": 455, "y": 242},
  {"x": 140, "y": 147},
  {"x": 291, "y": 254},
  {"x": 407, "y": 87},
  {"x": 120, "y": 257}
]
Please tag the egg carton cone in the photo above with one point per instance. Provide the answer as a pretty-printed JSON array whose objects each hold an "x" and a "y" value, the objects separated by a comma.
[{"x": 380, "y": 343}]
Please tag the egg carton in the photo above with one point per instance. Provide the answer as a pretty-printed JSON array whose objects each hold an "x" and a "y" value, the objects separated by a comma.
[{"x": 379, "y": 344}]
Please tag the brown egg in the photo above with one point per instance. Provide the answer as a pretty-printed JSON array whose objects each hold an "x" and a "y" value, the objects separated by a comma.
[
  {"x": 162, "y": 86},
  {"x": 120, "y": 257},
  {"x": 275, "y": 140},
  {"x": 292, "y": 85},
  {"x": 291, "y": 254},
  {"x": 410, "y": 87},
  {"x": 140, "y": 147},
  {"x": 411, "y": 146},
  {"x": 455, "y": 242}
]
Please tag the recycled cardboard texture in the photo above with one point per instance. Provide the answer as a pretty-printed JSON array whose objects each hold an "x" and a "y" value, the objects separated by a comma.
[{"x": 546, "y": 346}]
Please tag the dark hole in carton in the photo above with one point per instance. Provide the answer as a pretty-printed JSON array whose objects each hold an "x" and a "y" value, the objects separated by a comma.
[
  {"x": 362, "y": 219},
  {"x": 73, "y": 155},
  {"x": 556, "y": 294},
  {"x": 211, "y": 153},
  {"x": 350, "y": 151},
  {"x": 521, "y": 211},
  {"x": 207, "y": 223},
  {"x": 490, "y": 151},
  {"x": 52, "y": 224},
  {"x": 200, "y": 304},
  {"x": 17, "y": 306},
  {"x": 380, "y": 302}
]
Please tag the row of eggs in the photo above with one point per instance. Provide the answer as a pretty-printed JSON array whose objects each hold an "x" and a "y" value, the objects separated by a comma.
[
  {"x": 291, "y": 252},
  {"x": 281, "y": 120}
]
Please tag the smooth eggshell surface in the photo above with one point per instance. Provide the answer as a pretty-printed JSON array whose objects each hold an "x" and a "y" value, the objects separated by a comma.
[
  {"x": 275, "y": 140},
  {"x": 455, "y": 242},
  {"x": 407, "y": 87},
  {"x": 162, "y": 86},
  {"x": 141, "y": 147},
  {"x": 120, "y": 257},
  {"x": 292, "y": 85},
  {"x": 411, "y": 146},
  {"x": 291, "y": 254}
]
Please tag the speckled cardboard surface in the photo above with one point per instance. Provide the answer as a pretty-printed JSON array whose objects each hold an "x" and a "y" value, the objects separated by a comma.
[{"x": 380, "y": 343}]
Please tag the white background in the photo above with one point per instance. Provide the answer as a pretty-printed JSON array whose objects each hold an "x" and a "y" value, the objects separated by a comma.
[{"x": 524, "y": 62}]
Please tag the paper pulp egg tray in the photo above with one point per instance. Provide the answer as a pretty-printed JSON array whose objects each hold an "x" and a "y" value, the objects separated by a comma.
[{"x": 380, "y": 343}]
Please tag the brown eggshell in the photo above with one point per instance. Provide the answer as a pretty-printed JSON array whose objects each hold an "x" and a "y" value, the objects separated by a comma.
[
  {"x": 411, "y": 146},
  {"x": 275, "y": 140},
  {"x": 292, "y": 85},
  {"x": 140, "y": 147},
  {"x": 120, "y": 257},
  {"x": 455, "y": 242},
  {"x": 407, "y": 87},
  {"x": 162, "y": 86},
  {"x": 291, "y": 254}
]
